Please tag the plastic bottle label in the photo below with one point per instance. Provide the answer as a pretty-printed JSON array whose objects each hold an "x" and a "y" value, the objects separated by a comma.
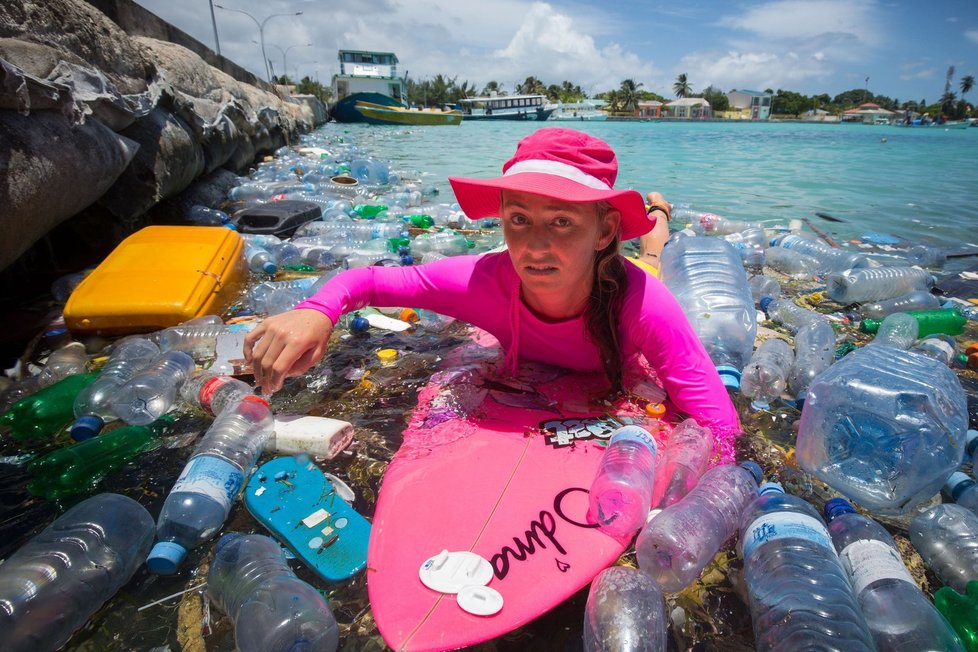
[
  {"x": 636, "y": 434},
  {"x": 213, "y": 477},
  {"x": 869, "y": 560},
  {"x": 785, "y": 525}
]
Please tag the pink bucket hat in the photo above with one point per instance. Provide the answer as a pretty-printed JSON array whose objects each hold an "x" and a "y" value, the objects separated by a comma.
[{"x": 564, "y": 164}]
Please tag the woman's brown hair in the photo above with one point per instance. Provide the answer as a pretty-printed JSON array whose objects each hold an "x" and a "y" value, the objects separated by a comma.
[{"x": 603, "y": 311}]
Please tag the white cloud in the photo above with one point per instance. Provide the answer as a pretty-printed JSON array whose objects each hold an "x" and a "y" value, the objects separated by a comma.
[
  {"x": 972, "y": 35},
  {"x": 750, "y": 70},
  {"x": 809, "y": 19}
]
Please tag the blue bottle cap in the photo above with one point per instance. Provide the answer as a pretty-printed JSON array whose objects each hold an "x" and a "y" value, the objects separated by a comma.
[
  {"x": 226, "y": 539},
  {"x": 730, "y": 376},
  {"x": 957, "y": 484},
  {"x": 269, "y": 268},
  {"x": 765, "y": 302},
  {"x": 971, "y": 442},
  {"x": 86, "y": 427},
  {"x": 165, "y": 558},
  {"x": 836, "y": 507},
  {"x": 407, "y": 259},
  {"x": 359, "y": 324},
  {"x": 754, "y": 468},
  {"x": 770, "y": 488}
]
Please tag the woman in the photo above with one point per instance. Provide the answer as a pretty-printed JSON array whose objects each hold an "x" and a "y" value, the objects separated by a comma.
[{"x": 560, "y": 294}]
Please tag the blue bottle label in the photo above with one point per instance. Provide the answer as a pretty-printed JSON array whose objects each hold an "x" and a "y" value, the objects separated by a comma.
[
  {"x": 636, "y": 434},
  {"x": 785, "y": 525},
  {"x": 216, "y": 478}
]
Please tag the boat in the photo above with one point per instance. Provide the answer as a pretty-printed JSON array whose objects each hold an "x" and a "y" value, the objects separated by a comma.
[
  {"x": 369, "y": 77},
  {"x": 578, "y": 112},
  {"x": 401, "y": 115},
  {"x": 956, "y": 124},
  {"x": 506, "y": 107}
]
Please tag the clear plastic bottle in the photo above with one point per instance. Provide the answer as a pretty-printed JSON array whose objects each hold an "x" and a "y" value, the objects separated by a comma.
[
  {"x": 199, "y": 341},
  {"x": 274, "y": 297},
  {"x": 54, "y": 583},
  {"x": 915, "y": 300},
  {"x": 829, "y": 259},
  {"x": 710, "y": 223},
  {"x": 883, "y": 426},
  {"x": 367, "y": 259},
  {"x": 765, "y": 377},
  {"x": 876, "y": 283},
  {"x": 212, "y": 392},
  {"x": 814, "y": 353},
  {"x": 625, "y": 611},
  {"x": 763, "y": 287},
  {"x": 751, "y": 238},
  {"x": 447, "y": 243},
  {"x": 272, "y": 609},
  {"x": 946, "y": 536},
  {"x": 92, "y": 406},
  {"x": 788, "y": 313},
  {"x": 682, "y": 539},
  {"x": 621, "y": 492},
  {"x": 924, "y": 256},
  {"x": 961, "y": 489},
  {"x": 899, "y": 615},
  {"x": 791, "y": 263},
  {"x": 971, "y": 447},
  {"x": 709, "y": 281},
  {"x": 150, "y": 394},
  {"x": 260, "y": 260},
  {"x": 942, "y": 348},
  {"x": 200, "y": 500},
  {"x": 68, "y": 360},
  {"x": 683, "y": 460},
  {"x": 205, "y": 216},
  {"x": 800, "y": 596},
  {"x": 898, "y": 330}
]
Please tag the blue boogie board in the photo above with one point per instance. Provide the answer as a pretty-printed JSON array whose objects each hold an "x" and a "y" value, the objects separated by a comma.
[{"x": 293, "y": 499}]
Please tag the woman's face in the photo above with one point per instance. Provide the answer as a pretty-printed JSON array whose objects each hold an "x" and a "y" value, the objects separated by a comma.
[{"x": 552, "y": 244}]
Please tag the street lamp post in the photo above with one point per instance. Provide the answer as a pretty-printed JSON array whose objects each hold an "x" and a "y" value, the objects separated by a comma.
[
  {"x": 217, "y": 41},
  {"x": 261, "y": 32},
  {"x": 285, "y": 54}
]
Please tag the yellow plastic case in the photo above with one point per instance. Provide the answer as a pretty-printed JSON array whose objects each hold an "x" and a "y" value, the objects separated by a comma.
[{"x": 160, "y": 276}]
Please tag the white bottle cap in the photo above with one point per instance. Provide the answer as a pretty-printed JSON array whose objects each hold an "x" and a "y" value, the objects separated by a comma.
[
  {"x": 450, "y": 572},
  {"x": 480, "y": 600}
]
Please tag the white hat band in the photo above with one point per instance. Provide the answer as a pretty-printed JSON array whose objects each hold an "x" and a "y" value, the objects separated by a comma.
[{"x": 558, "y": 169}]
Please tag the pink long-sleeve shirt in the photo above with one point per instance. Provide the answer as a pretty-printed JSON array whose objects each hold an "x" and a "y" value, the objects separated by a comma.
[{"x": 484, "y": 291}]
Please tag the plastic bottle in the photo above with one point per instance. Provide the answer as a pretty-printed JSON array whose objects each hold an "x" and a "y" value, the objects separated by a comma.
[
  {"x": 971, "y": 447},
  {"x": 150, "y": 393},
  {"x": 800, "y": 596},
  {"x": 621, "y": 492},
  {"x": 946, "y": 321},
  {"x": 829, "y": 259},
  {"x": 884, "y": 426},
  {"x": 625, "y": 610},
  {"x": 201, "y": 498},
  {"x": 961, "y": 489},
  {"x": 682, "y": 539},
  {"x": 707, "y": 278},
  {"x": 765, "y": 377},
  {"x": 942, "y": 348},
  {"x": 212, "y": 392},
  {"x": 899, "y": 615},
  {"x": 791, "y": 263},
  {"x": 259, "y": 260},
  {"x": 46, "y": 411},
  {"x": 53, "y": 584},
  {"x": 750, "y": 238},
  {"x": 946, "y": 536},
  {"x": 684, "y": 459},
  {"x": 788, "y": 313},
  {"x": 710, "y": 223},
  {"x": 79, "y": 467},
  {"x": 274, "y": 297},
  {"x": 205, "y": 216},
  {"x": 924, "y": 256},
  {"x": 92, "y": 406},
  {"x": 447, "y": 243},
  {"x": 367, "y": 259},
  {"x": 961, "y": 611},
  {"x": 876, "y": 283},
  {"x": 814, "y": 353},
  {"x": 272, "y": 609},
  {"x": 763, "y": 287},
  {"x": 898, "y": 330},
  {"x": 915, "y": 300},
  {"x": 66, "y": 361}
]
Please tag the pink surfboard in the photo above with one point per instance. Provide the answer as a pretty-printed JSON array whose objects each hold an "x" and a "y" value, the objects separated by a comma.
[{"x": 500, "y": 467}]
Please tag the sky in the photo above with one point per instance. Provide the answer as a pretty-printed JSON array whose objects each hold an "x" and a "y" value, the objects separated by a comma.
[{"x": 896, "y": 48}]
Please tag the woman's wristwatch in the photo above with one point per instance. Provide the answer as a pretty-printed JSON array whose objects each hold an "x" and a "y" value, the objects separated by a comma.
[{"x": 660, "y": 207}]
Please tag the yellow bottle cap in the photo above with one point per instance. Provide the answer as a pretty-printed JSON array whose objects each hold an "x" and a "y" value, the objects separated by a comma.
[
  {"x": 655, "y": 409},
  {"x": 387, "y": 355}
]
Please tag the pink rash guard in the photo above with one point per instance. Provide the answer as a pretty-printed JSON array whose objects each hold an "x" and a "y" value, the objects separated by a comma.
[{"x": 484, "y": 291}]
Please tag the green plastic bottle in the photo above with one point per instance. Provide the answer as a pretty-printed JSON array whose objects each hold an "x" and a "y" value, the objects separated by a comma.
[
  {"x": 47, "y": 411},
  {"x": 369, "y": 211},
  {"x": 948, "y": 321},
  {"x": 961, "y": 611},
  {"x": 78, "y": 468},
  {"x": 420, "y": 221}
]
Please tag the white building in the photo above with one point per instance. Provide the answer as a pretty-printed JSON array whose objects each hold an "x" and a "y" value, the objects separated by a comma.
[
  {"x": 755, "y": 103},
  {"x": 368, "y": 72},
  {"x": 690, "y": 108}
]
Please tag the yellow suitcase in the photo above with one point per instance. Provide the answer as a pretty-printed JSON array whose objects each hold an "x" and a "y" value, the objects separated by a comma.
[{"x": 158, "y": 277}]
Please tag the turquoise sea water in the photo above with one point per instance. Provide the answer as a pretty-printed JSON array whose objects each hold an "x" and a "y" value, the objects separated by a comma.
[{"x": 919, "y": 184}]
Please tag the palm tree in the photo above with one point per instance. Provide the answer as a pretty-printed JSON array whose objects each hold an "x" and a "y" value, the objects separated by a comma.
[
  {"x": 682, "y": 88},
  {"x": 532, "y": 86},
  {"x": 493, "y": 87},
  {"x": 628, "y": 95},
  {"x": 967, "y": 83}
]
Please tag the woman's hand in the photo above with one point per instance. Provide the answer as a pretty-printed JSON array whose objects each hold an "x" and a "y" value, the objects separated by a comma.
[{"x": 286, "y": 345}]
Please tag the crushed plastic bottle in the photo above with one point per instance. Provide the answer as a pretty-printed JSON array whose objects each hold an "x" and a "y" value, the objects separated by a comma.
[
  {"x": 814, "y": 353},
  {"x": 67, "y": 361},
  {"x": 150, "y": 394},
  {"x": 765, "y": 377},
  {"x": 625, "y": 611}
]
